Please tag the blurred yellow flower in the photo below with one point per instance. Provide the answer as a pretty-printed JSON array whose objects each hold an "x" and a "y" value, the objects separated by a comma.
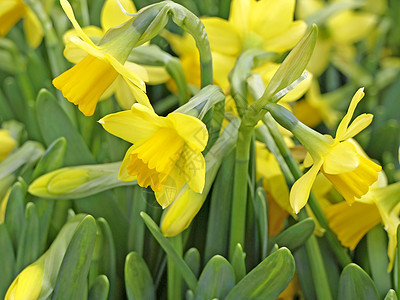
[
  {"x": 252, "y": 24},
  {"x": 112, "y": 16},
  {"x": 351, "y": 173},
  {"x": 28, "y": 283},
  {"x": 11, "y": 11},
  {"x": 166, "y": 151},
  {"x": 7, "y": 144},
  {"x": 87, "y": 81}
]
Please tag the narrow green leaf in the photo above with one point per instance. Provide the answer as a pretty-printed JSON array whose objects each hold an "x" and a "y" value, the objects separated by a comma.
[
  {"x": 54, "y": 123},
  {"x": 295, "y": 236},
  {"x": 303, "y": 270},
  {"x": 136, "y": 224},
  {"x": 5, "y": 108},
  {"x": 52, "y": 159},
  {"x": 72, "y": 277},
  {"x": 45, "y": 209},
  {"x": 138, "y": 281},
  {"x": 192, "y": 258},
  {"x": 7, "y": 260},
  {"x": 15, "y": 213},
  {"x": 355, "y": 283},
  {"x": 187, "y": 274},
  {"x": 238, "y": 263},
  {"x": 16, "y": 100},
  {"x": 99, "y": 288},
  {"x": 28, "y": 245},
  {"x": 268, "y": 279},
  {"x": 378, "y": 259},
  {"x": 216, "y": 280},
  {"x": 261, "y": 215}
]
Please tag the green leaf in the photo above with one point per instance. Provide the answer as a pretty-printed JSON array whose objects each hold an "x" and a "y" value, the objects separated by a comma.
[
  {"x": 7, "y": 260},
  {"x": 15, "y": 213},
  {"x": 28, "y": 245},
  {"x": 268, "y": 279},
  {"x": 138, "y": 281},
  {"x": 45, "y": 209},
  {"x": 72, "y": 277},
  {"x": 13, "y": 93},
  {"x": 136, "y": 224},
  {"x": 54, "y": 123},
  {"x": 99, "y": 288},
  {"x": 216, "y": 280},
  {"x": 355, "y": 283},
  {"x": 52, "y": 159},
  {"x": 378, "y": 259},
  {"x": 295, "y": 236},
  {"x": 5, "y": 109},
  {"x": 180, "y": 264},
  {"x": 192, "y": 258},
  {"x": 261, "y": 214},
  {"x": 391, "y": 295},
  {"x": 238, "y": 263}
]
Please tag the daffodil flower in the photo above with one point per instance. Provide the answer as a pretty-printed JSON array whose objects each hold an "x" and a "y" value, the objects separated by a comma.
[
  {"x": 87, "y": 81},
  {"x": 7, "y": 144},
  {"x": 166, "y": 151},
  {"x": 11, "y": 11},
  {"x": 351, "y": 173},
  {"x": 112, "y": 16}
]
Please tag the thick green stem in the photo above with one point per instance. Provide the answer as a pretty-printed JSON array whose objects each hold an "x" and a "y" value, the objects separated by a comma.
[
  {"x": 175, "y": 284},
  {"x": 239, "y": 202}
]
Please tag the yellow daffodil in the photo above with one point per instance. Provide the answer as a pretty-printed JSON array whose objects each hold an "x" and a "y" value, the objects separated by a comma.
[
  {"x": 112, "y": 16},
  {"x": 11, "y": 11},
  {"x": 7, "y": 144},
  {"x": 252, "y": 24},
  {"x": 87, "y": 81},
  {"x": 166, "y": 151},
  {"x": 28, "y": 283},
  {"x": 351, "y": 173}
]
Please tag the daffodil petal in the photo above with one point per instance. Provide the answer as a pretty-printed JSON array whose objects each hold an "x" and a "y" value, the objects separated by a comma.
[
  {"x": 223, "y": 36},
  {"x": 341, "y": 159},
  {"x": 308, "y": 161},
  {"x": 123, "y": 170},
  {"x": 70, "y": 14},
  {"x": 156, "y": 75},
  {"x": 127, "y": 73},
  {"x": 139, "y": 70},
  {"x": 132, "y": 125},
  {"x": 112, "y": 15},
  {"x": 138, "y": 95},
  {"x": 171, "y": 188},
  {"x": 342, "y": 128},
  {"x": 191, "y": 129},
  {"x": 195, "y": 169},
  {"x": 33, "y": 29},
  {"x": 86, "y": 47},
  {"x": 239, "y": 15},
  {"x": 301, "y": 188},
  {"x": 299, "y": 90},
  {"x": 223, "y": 64},
  {"x": 358, "y": 125}
]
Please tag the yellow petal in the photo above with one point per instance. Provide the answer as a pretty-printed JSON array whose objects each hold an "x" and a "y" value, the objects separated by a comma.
[
  {"x": 86, "y": 47},
  {"x": 112, "y": 15},
  {"x": 11, "y": 12},
  {"x": 156, "y": 75},
  {"x": 180, "y": 44},
  {"x": 137, "y": 94},
  {"x": 301, "y": 188},
  {"x": 349, "y": 27},
  {"x": 133, "y": 125},
  {"x": 195, "y": 169},
  {"x": 123, "y": 170},
  {"x": 287, "y": 39},
  {"x": 341, "y": 159},
  {"x": 139, "y": 70},
  {"x": 299, "y": 90},
  {"x": 342, "y": 128},
  {"x": 321, "y": 56},
  {"x": 7, "y": 144},
  {"x": 223, "y": 36},
  {"x": 239, "y": 15},
  {"x": 358, "y": 125},
  {"x": 33, "y": 29},
  {"x": 223, "y": 64},
  {"x": 171, "y": 188},
  {"x": 191, "y": 129},
  {"x": 70, "y": 14}
]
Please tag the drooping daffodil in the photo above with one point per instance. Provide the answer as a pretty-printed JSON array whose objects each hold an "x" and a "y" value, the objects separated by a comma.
[{"x": 166, "y": 151}]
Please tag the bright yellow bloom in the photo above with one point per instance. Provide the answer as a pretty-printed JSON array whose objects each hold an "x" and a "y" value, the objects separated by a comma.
[
  {"x": 28, "y": 283},
  {"x": 87, "y": 81},
  {"x": 166, "y": 151},
  {"x": 11, "y": 11},
  {"x": 252, "y": 24},
  {"x": 112, "y": 16},
  {"x": 351, "y": 173},
  {"x": 7, "y": 144}
]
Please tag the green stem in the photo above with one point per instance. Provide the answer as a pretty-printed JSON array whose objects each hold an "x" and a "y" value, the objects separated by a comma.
[
  {"x": 175, "y": 70},
  {"x": 337, "y": 248},
  {"x": 175, "y": 286},
  {"x": 239, "y": 201},
  {"x": 224, "y": 8}
]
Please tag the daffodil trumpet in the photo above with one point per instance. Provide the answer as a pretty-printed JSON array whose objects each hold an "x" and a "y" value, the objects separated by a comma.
[{"x": 351, "y": 173}]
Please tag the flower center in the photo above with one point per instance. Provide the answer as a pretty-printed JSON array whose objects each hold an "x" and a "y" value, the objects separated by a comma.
[{"x": 153, "y": 160}]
